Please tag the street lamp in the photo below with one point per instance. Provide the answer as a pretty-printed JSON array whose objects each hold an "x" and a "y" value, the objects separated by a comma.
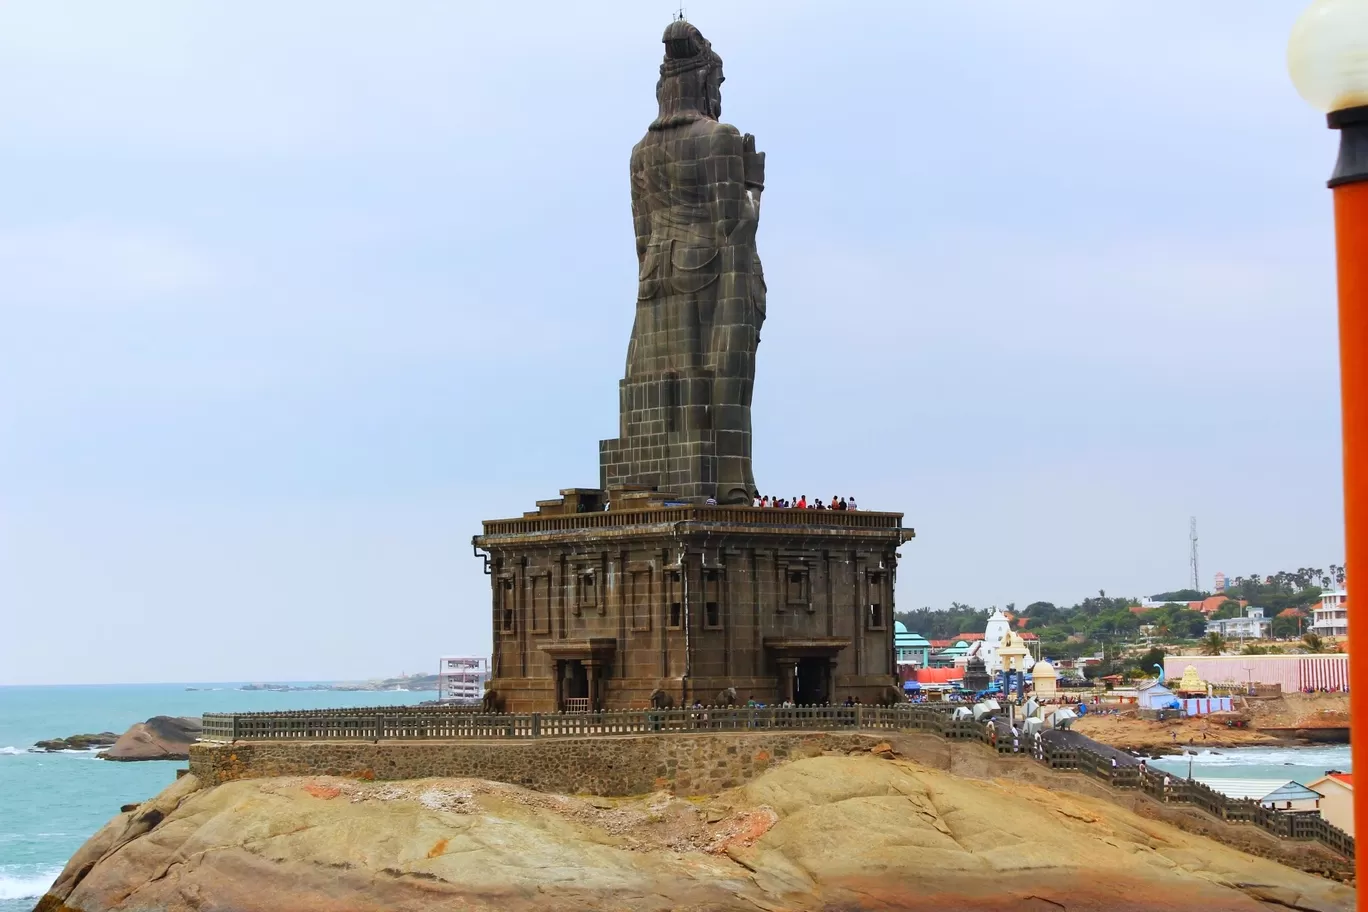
[{"x": 1327, "y": 57}]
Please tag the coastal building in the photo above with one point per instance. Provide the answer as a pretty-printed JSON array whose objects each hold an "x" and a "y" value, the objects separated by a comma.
[
  {"x": 461, "y": 679},
  {"x": 1205, "y": 606},
  {"x": 1155, "y": 696},
  {"x": 1251, "y": 626},
  {"x": 1271, "y": 793},
  {"x": 1331, "y": 617},
  {"x": 1337, "y": 799},
  {"x": 944, "y": 653},
  {"x": 1290, "y": 672},
  {"x": 995, "y": 636},
  {"x": 911, "y": 648}
]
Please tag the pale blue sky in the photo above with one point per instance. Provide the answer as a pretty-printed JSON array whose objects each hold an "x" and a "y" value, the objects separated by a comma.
[{"x": 294, "y": 295}]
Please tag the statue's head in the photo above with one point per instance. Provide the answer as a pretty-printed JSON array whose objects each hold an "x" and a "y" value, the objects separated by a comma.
[{"x": 690, "y": 86}]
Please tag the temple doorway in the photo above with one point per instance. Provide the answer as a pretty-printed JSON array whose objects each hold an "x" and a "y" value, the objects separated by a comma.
[
  {"x": 810, "y": 684},
  {"x": 574, "y": 689}
]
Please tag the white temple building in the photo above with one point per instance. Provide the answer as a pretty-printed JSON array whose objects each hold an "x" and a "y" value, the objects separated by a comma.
[{"x": 999, "y": 625}]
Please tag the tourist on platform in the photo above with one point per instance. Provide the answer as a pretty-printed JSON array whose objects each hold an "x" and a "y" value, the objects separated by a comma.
[
  {"x": 844, "y": 505},
  {"x": 837, "y": 503},
  {"x": 711, "y": 501},
  {"x": 850, "y": 504},
  {"x": 802, "y": 502}
]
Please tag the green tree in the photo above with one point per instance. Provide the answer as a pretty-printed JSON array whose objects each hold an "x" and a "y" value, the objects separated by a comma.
[
  {"x": 1312, "y": 642},
  {"x": 1227, "y": 609},
  {"x": 1213, "y": 644},
  {"x": 1181, "y": 595},
  {"x": 1286, "y": 628}
]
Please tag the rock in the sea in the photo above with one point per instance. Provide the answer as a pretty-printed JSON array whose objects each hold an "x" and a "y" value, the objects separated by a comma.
[
  {"x": 77, "y": 742},
  {"x": 832, "y": 832},
  {"x": 159, "y": 738}
]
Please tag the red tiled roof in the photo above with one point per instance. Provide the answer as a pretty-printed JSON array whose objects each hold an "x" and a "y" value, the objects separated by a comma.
[
  {"x": 1138, "y": 609},
  {"x": 970, "y": 637},
  {"x": 1346, "y": 778},
  {"x": 1208, "y": 606},
  {"x": 1027, "y": 635},
  {"x": 1291, "y": 613},
  {"x": 941, "y": 644}
]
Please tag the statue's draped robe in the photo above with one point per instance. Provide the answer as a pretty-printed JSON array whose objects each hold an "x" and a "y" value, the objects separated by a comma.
[
  {"x": 701, "y": 293},
  {"x": 685, "y": 423}
]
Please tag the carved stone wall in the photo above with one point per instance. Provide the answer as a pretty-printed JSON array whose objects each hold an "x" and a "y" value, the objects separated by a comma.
[
  {"x": 802, "y": 613},
  {"x": 699, "y": 764}
]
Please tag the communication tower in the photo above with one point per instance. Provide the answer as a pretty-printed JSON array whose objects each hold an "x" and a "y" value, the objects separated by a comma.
[{"x": 1192, "y": 536}]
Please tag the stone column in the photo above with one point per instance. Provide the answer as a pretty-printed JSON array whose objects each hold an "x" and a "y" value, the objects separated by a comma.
[
  {"x": 591, "y": 673},
  {"x": 831, "y": 679},
  {"x": 787, "y": 669},
  {"x": 560, "y": 685}
]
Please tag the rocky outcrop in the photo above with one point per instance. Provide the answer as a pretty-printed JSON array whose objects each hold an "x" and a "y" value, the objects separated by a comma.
[
  {"x": 830, "y": 832},
  {"x": 77, "y": 742},
  {"x": 159, "y": 738}
]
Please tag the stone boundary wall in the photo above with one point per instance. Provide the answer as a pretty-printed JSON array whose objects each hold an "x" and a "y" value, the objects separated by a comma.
[{"x": 685, "y": 764}]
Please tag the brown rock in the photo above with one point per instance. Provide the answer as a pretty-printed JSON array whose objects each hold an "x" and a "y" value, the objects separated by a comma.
[
  {"x": 828, "y": 832},
  {"x": 159, "y": 738}
]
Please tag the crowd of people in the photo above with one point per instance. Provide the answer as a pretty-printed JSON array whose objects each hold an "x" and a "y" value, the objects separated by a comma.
[{"x": 802, "y": 503}]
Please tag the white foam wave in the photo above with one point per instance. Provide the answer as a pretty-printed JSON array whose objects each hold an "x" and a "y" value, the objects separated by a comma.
[
  {"x": 12, "y": 751},
  {"x": 1315, "y": 757},
  {"x": 27, "y": 886}
]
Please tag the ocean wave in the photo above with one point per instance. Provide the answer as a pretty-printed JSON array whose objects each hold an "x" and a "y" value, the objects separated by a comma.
[
  {"x": 1316, "y": 757},
  {"x": 22, "y": 751},
  {"x": 20, "y": 885}
]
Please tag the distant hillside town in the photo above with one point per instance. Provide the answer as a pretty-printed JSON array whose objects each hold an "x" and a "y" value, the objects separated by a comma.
[{"x": 1286, "y": 613}]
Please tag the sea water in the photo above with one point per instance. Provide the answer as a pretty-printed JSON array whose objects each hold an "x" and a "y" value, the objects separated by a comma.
[
  {"x": 1295, "y": 764},
  {"x": 51, "y": 803}
]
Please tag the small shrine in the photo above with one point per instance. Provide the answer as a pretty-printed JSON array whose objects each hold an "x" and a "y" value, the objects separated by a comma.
[
  {"x": 1191, "y": 683},
  {"x": 1044, "y": 679},
  {"x": 976, "y": 676}
]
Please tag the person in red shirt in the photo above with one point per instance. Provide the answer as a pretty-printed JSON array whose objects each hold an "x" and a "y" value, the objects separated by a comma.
[{"x": 802, "y": 502}]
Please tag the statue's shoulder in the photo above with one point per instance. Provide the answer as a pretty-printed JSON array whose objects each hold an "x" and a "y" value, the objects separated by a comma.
[{"x": 714, "y": 129}]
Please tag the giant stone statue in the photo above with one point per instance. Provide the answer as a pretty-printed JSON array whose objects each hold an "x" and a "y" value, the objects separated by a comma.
[{"x": 684, "y": 410}]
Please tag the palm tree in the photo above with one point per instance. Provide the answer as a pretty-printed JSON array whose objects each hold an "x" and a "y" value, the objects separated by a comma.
[
  {"x": 1313, "y": 642},
  {"x": 1213, "y": 644}
]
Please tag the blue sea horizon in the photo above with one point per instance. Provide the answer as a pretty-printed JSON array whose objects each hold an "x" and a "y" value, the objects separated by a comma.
[{"x": 50, "y": 803}]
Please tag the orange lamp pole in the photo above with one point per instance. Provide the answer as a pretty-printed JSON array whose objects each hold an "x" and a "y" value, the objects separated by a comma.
[
  {"x": 1327, "y": 58},
  {"x": 1350, "y": 188}
]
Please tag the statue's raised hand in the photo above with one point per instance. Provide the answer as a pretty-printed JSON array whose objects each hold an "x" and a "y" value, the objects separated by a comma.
[{"x": 754, "y": 163}]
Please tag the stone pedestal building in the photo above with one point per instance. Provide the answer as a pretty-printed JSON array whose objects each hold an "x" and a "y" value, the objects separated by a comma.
[
  {"x": 665, "y": 577},
  {"x": 596, "y": 609}
]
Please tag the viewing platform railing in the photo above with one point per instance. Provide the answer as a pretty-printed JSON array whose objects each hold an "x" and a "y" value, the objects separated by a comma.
[
  {"x": 420, "y": 723},
  {"x": 724, "y": 515}
]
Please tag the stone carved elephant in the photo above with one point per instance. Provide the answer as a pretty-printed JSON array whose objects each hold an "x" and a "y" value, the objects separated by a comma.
[
  {"x": 726, "y": 697},
  {"x": 661, "y": 700}
]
